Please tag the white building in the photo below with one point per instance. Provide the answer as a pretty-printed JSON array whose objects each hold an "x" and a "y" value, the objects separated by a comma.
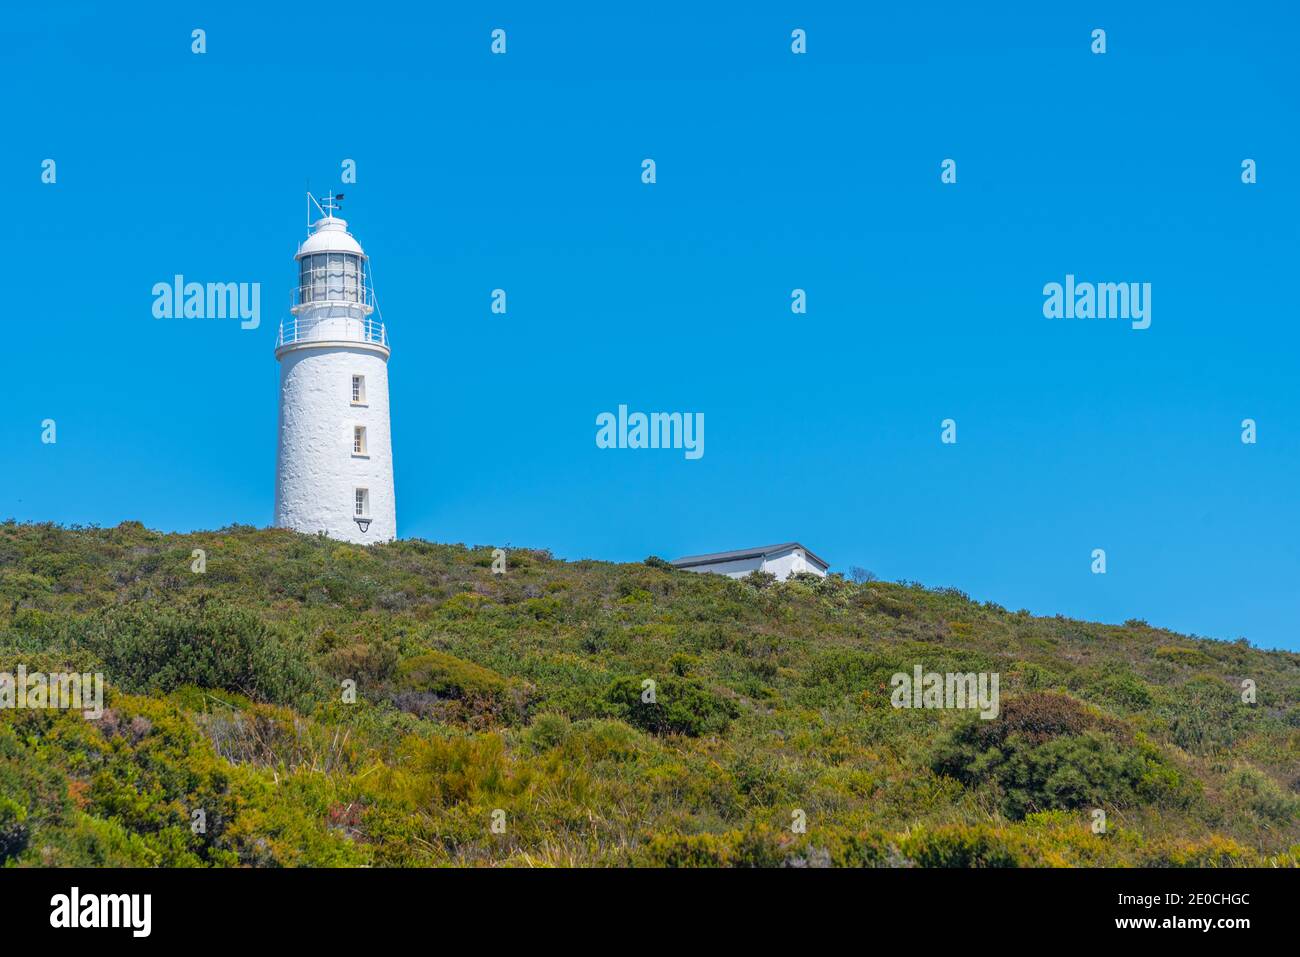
[
  {"x": 334, "y": 468},
  {"x": 779, "y": 560}
]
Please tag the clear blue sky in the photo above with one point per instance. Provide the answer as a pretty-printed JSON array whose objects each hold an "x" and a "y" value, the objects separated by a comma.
[{"x": 775, "y": 171}]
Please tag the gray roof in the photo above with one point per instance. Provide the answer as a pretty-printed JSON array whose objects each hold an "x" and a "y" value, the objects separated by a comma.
[{"x": 743, "y": 553}]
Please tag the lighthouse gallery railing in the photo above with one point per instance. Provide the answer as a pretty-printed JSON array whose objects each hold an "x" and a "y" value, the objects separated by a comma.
[{"x": 331, "y": 328}]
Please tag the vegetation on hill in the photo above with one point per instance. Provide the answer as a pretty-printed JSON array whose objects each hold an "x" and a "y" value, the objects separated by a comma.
[{"x": 503, "y": 718}]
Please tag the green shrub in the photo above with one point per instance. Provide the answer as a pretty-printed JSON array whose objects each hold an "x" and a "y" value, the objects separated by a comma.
[
  {"x": 153, "y": 648},
  {"x": 1261, "y": 795},
  {"x": 13, "y": 828},
  {"x": 686, "y": 850},
  {"x": 547, "y": 731},
  {"x": 1125, "y": 690},
  {"x": 1207, "y": 715},
  {"x": 481, "y": 694},
  {"x": 683, "y": 664},
  {"x": 1191, "y": 657},
  {"x": 962, "y": 846},
  {"x": 448, "y": 676},
  {"x": 1046, "y": 752},
  {"x": 368, "y": 663},
  {"x": 680, "y": 706}
]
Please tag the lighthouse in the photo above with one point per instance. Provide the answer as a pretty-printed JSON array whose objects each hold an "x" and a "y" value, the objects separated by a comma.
[{"x": 334, "y": 466}]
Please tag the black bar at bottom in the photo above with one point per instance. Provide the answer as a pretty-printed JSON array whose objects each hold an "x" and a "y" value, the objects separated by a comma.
[{"x": 339, "y": 907}]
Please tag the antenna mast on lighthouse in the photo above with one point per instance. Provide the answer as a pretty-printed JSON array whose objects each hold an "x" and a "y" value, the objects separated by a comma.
[{"x": 327, "y": 209}]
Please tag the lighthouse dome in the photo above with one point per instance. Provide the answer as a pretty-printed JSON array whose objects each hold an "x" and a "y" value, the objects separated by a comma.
[{"x": 330, "y": 235}]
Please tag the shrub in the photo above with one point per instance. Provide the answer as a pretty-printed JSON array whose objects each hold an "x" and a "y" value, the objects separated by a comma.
[
  {"x": 963, "y": 846},
  {"x": 889, "y": 606},
  {"x": 13, "y": 828},
  {"x": 207, "y": 643},
  {"x": 1089, "y": 770},
  {"x": 1036, "y": 717},
  {"x": 686, "y": 850},
  {"x": 1215, "y": 851},
  {"x": 602, "y": 740},
  {"x": 680, "y": 706},
  {"x": 1125, "y": 690},
  {"x": 480, "y": 694},
  {"x": 1207, "y": 715},
  {"x": 1046, "y": 752},
  {"x": 1262, "y": 796},
  {"x": 806, "y": 578},
  {"x": 1184, "y": 656},
  {"x": 367, "y": 662},
  {"x": 448, "y": 676},
  {"x": 547, "y": 731},
  {"x": 682, "y": 663}
]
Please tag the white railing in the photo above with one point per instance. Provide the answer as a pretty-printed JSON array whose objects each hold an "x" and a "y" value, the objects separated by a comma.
[{"x": 331, "y": 328}]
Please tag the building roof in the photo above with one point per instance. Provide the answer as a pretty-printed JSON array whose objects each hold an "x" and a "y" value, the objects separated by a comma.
[
  {"x": 330, "y": 235},
  {"x": 740, "y": 554}
]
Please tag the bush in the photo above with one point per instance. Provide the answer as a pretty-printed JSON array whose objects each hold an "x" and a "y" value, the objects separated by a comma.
[
  {"x": 680, "y": 706},
  {"x": 368, "y": 663},
  {"x": 806, "y": 578},
  {"x": 1035, "y": 717},
  {"x": 150, "y": 648},
  {"x": 1124, "y": 689},
  {"x": 13, "y": 828},
  {"x": 1046, "y": 752},
  {"x": 448, "y": 676},
  {"x": 962, "y": 846},
  {"x": 1089, "y": 770},
  {"x": 1184, "y": 656},
  {"x": 757, "y": 846},
  {"x": 1261, "y": 795},
  {"x": 686, "y": 850},
  {"x": 547, "y": 731},
  {"x": 481, "y": 695},
  {"x": 1207, "y": 716}
]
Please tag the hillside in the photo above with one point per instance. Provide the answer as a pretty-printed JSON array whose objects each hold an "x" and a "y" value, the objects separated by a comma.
[{"x": 515, "y": 699}]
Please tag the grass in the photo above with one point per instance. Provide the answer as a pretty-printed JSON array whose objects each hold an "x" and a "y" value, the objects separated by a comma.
[{"x": 303, "y": 702}]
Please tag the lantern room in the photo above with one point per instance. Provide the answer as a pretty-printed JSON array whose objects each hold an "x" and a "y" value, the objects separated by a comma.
[{"x": 331, "y": 266}]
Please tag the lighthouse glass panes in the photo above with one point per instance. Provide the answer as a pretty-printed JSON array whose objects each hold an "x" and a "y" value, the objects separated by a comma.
[
  {"x": 362, "y": 502},
  {"x": 331, "y": 277},
  {"x": 359, "y": 440},
  {"x": 358, "y": 390}
]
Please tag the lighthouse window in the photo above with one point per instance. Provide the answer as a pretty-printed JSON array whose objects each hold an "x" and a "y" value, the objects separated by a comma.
[
  {"x": 351, "y": 278},
  {"x": 358, "y": 390},
  {"x": 359, "y": 440},
  {"x": 330, "y": 276},
  {"x": 362, "y": 502},
  {"x": 311, "y": 281},
  {"x": 335, "y": 275}
]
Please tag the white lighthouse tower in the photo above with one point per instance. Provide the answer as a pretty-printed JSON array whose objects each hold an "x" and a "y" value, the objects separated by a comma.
[{"x": 334, "y": 469}]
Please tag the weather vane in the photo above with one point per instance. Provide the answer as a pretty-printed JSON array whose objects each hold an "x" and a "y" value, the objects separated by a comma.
[{"x": 328, "y": 207}]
